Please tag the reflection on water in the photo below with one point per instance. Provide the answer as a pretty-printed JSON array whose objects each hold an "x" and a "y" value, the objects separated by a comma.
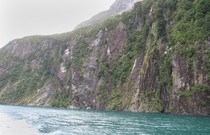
[{"x": 80, "y": 122}]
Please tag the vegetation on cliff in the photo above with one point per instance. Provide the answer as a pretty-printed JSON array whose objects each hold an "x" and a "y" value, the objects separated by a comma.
[{"x": 154, "y": 58}]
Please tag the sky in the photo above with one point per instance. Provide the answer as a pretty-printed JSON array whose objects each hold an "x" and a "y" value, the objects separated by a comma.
[{"x": 20, "y": 18}]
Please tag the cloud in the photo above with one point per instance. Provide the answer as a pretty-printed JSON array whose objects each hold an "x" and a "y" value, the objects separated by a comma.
[{"x": 42, "y": 17}]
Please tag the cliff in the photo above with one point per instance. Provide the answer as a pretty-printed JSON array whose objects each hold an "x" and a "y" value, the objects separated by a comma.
[{"x": 154, "y": 58}]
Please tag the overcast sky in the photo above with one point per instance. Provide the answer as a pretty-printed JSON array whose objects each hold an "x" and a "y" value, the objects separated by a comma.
[{"x": 19, "y": 18}]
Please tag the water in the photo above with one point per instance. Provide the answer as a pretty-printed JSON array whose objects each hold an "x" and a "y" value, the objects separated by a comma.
[{"x": 82, "y": 122}]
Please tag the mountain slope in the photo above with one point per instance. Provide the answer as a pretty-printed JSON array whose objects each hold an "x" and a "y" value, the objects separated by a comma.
[{"x": 154, "y": 58}]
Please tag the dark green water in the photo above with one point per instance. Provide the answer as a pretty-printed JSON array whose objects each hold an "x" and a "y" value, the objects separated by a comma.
[{"x": 80, "y": 122}]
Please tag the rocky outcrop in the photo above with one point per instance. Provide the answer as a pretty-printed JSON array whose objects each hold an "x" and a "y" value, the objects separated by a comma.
[{"x": 190, "y": 83}]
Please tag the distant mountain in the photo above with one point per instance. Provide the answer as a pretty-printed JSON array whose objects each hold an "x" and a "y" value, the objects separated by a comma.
[
  {"x": 123, "y": 5},
  {"x": 118, "y": 7}
]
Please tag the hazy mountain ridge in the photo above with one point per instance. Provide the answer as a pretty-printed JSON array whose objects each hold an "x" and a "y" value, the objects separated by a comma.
[
  {"x": 118, "y": 7},
  {"x": 154, "y": 58}
]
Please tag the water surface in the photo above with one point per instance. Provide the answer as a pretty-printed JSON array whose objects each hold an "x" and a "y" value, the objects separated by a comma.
[{"x": 81, "y": 122}]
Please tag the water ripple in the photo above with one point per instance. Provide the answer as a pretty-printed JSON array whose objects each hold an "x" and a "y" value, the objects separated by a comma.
[{"x": 80, "y": 122}]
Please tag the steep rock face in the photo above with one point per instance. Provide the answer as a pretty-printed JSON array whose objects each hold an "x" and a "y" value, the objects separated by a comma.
[
  {"x": 189, "y": 79},
  {"x": 26, "y": 66},
  {"x": 144, "y": 60}
]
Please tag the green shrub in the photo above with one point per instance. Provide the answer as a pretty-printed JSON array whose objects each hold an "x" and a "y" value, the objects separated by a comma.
[
  {"x": 116, "y": 100},
  {"x": 80, "y": 53},
  {"x": 192, "y": 23},
  {"x": 60, "y": 103},
  {"x": 61, "y": 99},
  {"x": 199, "y": 88}
]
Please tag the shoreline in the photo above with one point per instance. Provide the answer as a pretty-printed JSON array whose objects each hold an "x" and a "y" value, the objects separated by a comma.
[
  {"x": 69, "y": 108},
  {"x": 10, "y": 126}
]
